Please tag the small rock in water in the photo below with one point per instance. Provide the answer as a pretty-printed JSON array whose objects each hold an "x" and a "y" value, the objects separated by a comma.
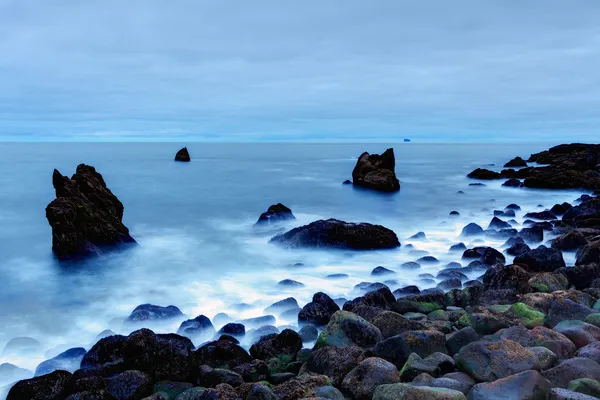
[
  {"x": 513, "y": 182},
  {"x": 381, "y": 271},
  {"x": 183, "y": 155},
  {"x": 543, "y": 215},
  {"x": 428, "y": 260},
  {"x": 290, "y": 283},
  {"x": 497, "y": 223},
  {"x": 151, "y": 312},
  {"x": 233, "y": 329},
  {"x": 418, "y": 252},
  {"x": 347, "y": 182},
  {"x": 337, "y": 276},
  {"x": 257, "y": 322},
  {"x": 374, "y": 171},
  {"x": 472, "y": 229},
  {"x": 275, "y": 213},
  {"x": 458, "y": 247},
  {"x": 513, "y": 207},
  {"x": 410, "y": 265},
  {"x": 454, "y": 213},
  {"x": 516, "y": 162},
  {"x": 406, "y": 291},
  {"x": 282, "y": 305},
  {"x": 69, "y": 360},
  {"x": 418, "y": 236},
  {"x": 477, "y": 184},
  {"x": 198, "y": 326}
]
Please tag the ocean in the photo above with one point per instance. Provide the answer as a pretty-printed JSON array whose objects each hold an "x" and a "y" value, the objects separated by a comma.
[{"x": 198, "y": 247}]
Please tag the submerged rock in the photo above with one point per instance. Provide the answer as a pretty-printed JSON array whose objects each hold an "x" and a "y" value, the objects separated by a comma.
[
  {"x": 484, "y": 174},
  {"x": 183, "y": 155},
  {"x": 85, "y": 216},
  {"x": 275, "y": 213},
  {"x": 376, "y": 172},
  {"x": 333, "y": 233}
]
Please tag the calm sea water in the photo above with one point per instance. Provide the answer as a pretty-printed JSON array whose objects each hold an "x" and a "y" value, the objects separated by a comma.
[{"x": 194, "y": 222}]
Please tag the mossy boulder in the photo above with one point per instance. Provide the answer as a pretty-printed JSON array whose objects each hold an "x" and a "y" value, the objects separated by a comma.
[
  {"x": 547, "y": 282},
  {"x": 491, "y": 360},
  {"x": 484, "y": 322},
  {"x": 348, "y": 329},
  {"x": 587, "y": 386},
  {"x": 593, "y": 319},
  {"x": 526, "y": 315}
]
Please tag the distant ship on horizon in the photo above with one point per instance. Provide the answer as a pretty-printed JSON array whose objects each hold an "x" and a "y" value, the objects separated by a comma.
[{"x": 406, "y": 140}]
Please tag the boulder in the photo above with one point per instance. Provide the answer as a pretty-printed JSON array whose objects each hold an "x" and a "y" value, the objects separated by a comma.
[
  {"x": 296, "y": 388},
  {"x": 372, "y": 372},
  {"x": 569, "y": 241},
  {"x": 587, "y": 386},
  {"x": 163, "y": 356},
  {"x": 527, "y": 385},
  {"x": 487, "y": 255},
  {"x": 286, "y": 344},
  {"x": 591, "y": 351},
  {"x": 489, "y": 361},
  {"x": 376, "y": 172},
  {"x": 348, "y": 329},
  {"x": 589, "y": 253},
  {"x": 459, "y": 339},
  {"x": 222, "y": 353},
  {"x": 513, "y": 182},
  {"x": 53, "y": 386},
  {"x": 497, "y": 223},
  {"x": 396, "y": 349},
  {"x": 336, "y": 234},
  {"x": 518, "y": 249},
  {"x": 411, "y": 392},
  {"x": 211, "y": 377},
  {"x": 565, "y": 394},
  {"x": 233, "y": 328},
  {"x": 199, "y": 326},
  {"x": 86, "y": 217},
  {"x": 503, "y": 277},
  {"x": 472, "y": 229},
  {"x": 391, "y": 324},
  {"x": 108, "y": 350},
  {"x": 542, "y": 259},
  {"x": 334, "y": 362},
  {"x": 434, "y": 365},
  {"x": 569, "y": 370},
  {"x": 534, "y": 234},
  {"x": 319, "y": 310},
  {"x": 579, "y": 332},
  {"x": 564, "y": 309},
  {"x": 275, "y": 213},
  {"x": 130, "y": 385},
  {"x": 541, "y": 215},
  {"x": 183, "y": 155},
  {"x": 69, "y": 360},
  {"x": 150, "y": 312},
  {"x": 484, "y": 174},
  {"x": 516, "y": 162}
]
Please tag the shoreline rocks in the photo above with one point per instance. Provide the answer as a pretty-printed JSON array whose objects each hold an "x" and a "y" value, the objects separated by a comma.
[
  {"x": 377, "y": 172},
  {"x": 86, "y": 217}
]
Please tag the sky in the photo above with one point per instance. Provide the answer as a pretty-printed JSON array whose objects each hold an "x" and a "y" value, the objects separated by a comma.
[{"x": 310, "y": 70}]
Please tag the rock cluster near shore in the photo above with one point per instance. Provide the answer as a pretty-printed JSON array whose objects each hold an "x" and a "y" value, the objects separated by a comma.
[
  {"x": 378, "y": 172},
  {"x": 86, "y": 216},
  {"x": 567, "y": 166}
]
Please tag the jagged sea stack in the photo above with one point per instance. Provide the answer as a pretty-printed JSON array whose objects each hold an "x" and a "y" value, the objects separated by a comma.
[
  {"x": 85, "y": 216},
  {"x": 276, "y": 213},
  {"x": 183, "y": 155},
  {"x": 376, "y": 172}
]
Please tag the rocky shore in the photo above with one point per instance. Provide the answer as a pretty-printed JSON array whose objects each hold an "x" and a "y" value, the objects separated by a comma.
[{"x": 529, "y": 329}]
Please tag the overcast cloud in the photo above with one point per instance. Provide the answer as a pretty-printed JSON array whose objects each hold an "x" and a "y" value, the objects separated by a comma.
[{"x": 310, "y": 70}]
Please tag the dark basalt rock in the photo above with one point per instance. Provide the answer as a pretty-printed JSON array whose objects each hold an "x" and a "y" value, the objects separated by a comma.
[
  {"x": 151, "y": 312},
  {"x": 487, "y": 255},
  {"x": 513, "y": 207},
  {"x": 458, "y": 247},
  {"x": 569, "y": 241},
  {"x": 233, "y": 329},
  {"x": 69, "y": 360},
  {"x": 512, "y": 183},
  {"x": 542, "y": 259},
  {"x": 86, "y": 216},
  {"x": 472, "y": 229},
  {"x": 108, "y": 350},
  {"x": 198, "y": 326},
  {"x": 287, "y": 343},
  {"x": 542, "y": 215},
  {"x": 588, "y": 210},
  {"x": 502, "y": 277},
  {"x": 290, "y": 283},
  {"x": 516, "y": 162},
  {"x": 222, "y": 353},
  {"x": 418, "y": 236},
  {"x": 560, "y": 209},
  {"x": 535, "y": 234},
  {"x": 333, "y": 233},
  {"x": 376, "y": 172},
  {"x": 52, "y": 386},
  {"x": 516, "y": 249},
  {"x": 275, "y": 213},
  {"x": 183, "y": 155},
  {"x": 484, "y": 174},
  {"x": 130, "y": 385},
  {"x": 319, "y": 311},
  {"x": 377, "y": 271},
  {"x": 397, "y": 349},
  {"x": 497, "y": 223},
  {"x": 588, "y": 254}
]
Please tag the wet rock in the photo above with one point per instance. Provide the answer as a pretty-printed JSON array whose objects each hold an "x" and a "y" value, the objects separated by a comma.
[
  {"x": 183, "y": 155},
  {"x": 86, "y": 216},
  {"x": 253, "y": 371},
  {"x": 164, "y": 356},
  {"x": 308, "y": 333},
  {"x": 516, "y": 162},
  {"x": 69, "y": 360},
  {"x": 391, "y": 324},
  {"x": 275, "y": 213},
  {"x": 502, "y": 277},
  {"x": 548, "y": 282},
  {"x": 434, "y": 365},
  {"x": 410, "y": 265},
  {"x": 171, "y": 389},
  {"x": 541, "y": 215},
  {"x": 199, "y": 326},
  {"x": 211, "y": 377},
  {"x": 513, "y": 182},
  {"x": 258, "y": 322},
  {"x": 109, "y": 350},
  {"x": 337, "y": 234},
  {"x": 487, "y": 255},
  {"x": 334, "y": 362},
  {"x": 130, "y": 385},
  {"x": 52, "y": 386},
  {"x": 222, "y": 353},
  {"x": 457, "y": 340},
  {"x": 406, "y": 291},
  {"x": 525, "y": 385},
  {"x": 348, "y": 329},
  {"x": 319, "y": 311},
  {"x": 396, "y": 349},
  {"x": 579, "y": 332},
  {"x": 513, "y": 206},
  {"x": 589, "y": 254},
  {"x": 472, "y": 229},
  {"x": 534, "y": 234},
  {"x": 101, "y": 394},
  {"x": 282, "y": 305},
  {"x": 458, "y": 247},
  {"x": 591, "y": 351},
  {"x": 454, "y": 213},
  {"x": 290, "y": 283},
  {"x": 546, "y": 357},
  {"x": 560, "y": 209},
  {"x": 569, "y": 241},
  {"x": 451, "y": 283},
  {"x": 376, "y": 172},
  {"x": 378, "y": 271},
  {"x": 587, "y": 386},
  {"x": 233, "y": 329},
  {"x": 295, "y": 388},
  {"x": 372, "y": 372},
  {"x": 406, "y": 391},
  {"x": 337, "y": 276},
  {"x": 423, "y": 302},
  {"x": 569, "y": 370},
  {"x": 518, "y": 249},
  {"x": 428, "y": 260},
  {"x": 497, "y": 223},
  {"x": 542, "y": 259},
  {"x": 564, "y": 309},
  {"x": 150, "y": 312},
  {"x": 488, "y": 361},
  {"x": 484, "y": 174},
  {"x": 564, "y": 394},
  {"x": 286, "y": 344}
]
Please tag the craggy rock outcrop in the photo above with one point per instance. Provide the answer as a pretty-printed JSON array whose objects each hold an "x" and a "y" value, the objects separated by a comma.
[
  {"x": 376, "y": 172},
  {"x": 484, "y": 174},
  {"x": 336, "y": 234},
  {"x": 516, "y": 162},
  {"x": 86, "y": 216},
  {"x": 183, "y": 155},
  {"x": 275, "y": 213},
  {"x": 52, "y": 386}
]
